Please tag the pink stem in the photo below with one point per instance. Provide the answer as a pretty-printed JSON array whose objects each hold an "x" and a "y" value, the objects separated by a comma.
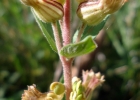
[
  {"x": 66, "y": 63},
  {"x": 66, "y": 24},
  {"x": 66, "y": 40},
  {"x": 67, "y": 75}
]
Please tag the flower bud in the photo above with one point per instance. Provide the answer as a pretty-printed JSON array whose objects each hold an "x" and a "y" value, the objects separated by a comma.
[
  {"x": 57, "y": 88},
  {"x": 77, "y": 89},
  {"x": 46, "y": 10},
  {"x": 93, "y": 12}
]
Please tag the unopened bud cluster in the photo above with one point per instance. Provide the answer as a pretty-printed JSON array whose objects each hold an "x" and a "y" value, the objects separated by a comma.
[
  {"x": 83, "y": 90},
  {"x": 77, "y": 90}
]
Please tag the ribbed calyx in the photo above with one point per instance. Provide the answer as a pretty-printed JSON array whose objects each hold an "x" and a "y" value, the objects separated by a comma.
[
  {"x": 92, "y": 12},
  {"x": 46, "y": 10}
]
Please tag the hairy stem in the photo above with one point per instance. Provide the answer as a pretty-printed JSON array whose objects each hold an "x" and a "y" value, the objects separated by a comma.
[
  {"x": 65, "y": 63},
  {"x": 66, "y": 35},
  {"x": 67, "y": 75},
  {"x": 66, "y": 24},
  {"x": 56, "y": 36}
]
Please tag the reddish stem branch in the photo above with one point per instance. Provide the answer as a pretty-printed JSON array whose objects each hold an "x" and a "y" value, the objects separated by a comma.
[{"x": 56, "y": 36}]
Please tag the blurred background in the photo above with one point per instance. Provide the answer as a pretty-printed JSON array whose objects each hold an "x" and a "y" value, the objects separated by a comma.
[{"x": 26, "y": 58}]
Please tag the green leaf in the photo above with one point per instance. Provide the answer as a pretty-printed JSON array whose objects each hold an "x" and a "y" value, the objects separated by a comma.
[
  {"x": 80, "y": 48},
  {"x": 45, "y": 33},
  {"x": 91, "y": 30}
]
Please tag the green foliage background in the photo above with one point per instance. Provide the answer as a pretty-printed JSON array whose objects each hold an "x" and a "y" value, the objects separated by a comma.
[{"x": 26, "y": 57}]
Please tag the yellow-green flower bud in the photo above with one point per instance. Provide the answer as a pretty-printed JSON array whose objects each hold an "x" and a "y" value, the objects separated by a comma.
[
  {"x": 57, "y": 88},
  {"x": 46, "y": 10},
  {"x": 77, "y": 89},
  {"x": 93, "y": 12},
  {"x": 80, "y": 97}
]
